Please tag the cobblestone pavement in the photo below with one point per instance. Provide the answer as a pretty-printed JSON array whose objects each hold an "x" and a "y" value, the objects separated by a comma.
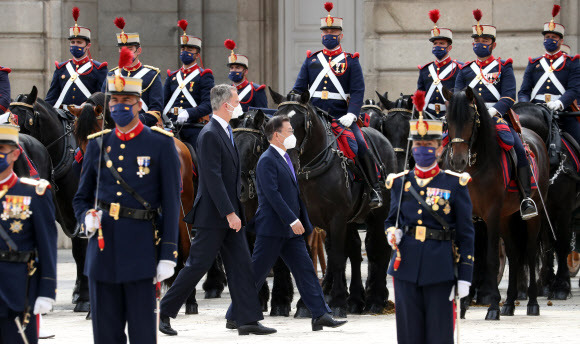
[{"x": 559, "y": 323}]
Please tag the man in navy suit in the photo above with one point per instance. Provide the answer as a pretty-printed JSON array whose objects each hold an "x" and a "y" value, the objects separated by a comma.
[
  {"x": 281, "y": 223},
  {"x": 218, "y": 216}
]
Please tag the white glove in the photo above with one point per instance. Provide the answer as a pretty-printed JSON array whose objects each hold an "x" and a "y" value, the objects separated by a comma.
[
  {"x": 43, "y": 305},
  {"x": 555, "y": 105},
  {"x": 183, "y": 116},
  {"x": 92, "y": 222},
  {"x": 397, "y": 234},
  {"x": 347, "y": 119},
  {"x": 165, "y": 270},
  {"x": 492, "y": 111},
  {"x": 462, "y": 290}
]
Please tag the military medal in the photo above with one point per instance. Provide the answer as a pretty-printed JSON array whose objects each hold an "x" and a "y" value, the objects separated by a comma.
[
  {"x": 16, "y": 227},
  {"x": 16, "y": 207},
  {"x": 447, "y": 209},
  {"x": 143, "y": 162},
  {"x": 435, "y": 207},
  {"x": 191, "y": 86}
]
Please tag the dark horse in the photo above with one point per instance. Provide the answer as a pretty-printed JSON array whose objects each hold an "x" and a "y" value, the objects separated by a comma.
[
  {"x": 474, "y": 148},
  {"x": 394, "y": 124},
  {"x": 562, "y": 200},
  {"x": 40, "y": 120},
  {"x": 251, "y": 142},
  {"x": 338, "y": 205}
]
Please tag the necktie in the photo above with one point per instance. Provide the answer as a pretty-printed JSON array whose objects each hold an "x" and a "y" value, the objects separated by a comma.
[
  {"x": 231, "y": 134},
  {"x": 287, "y": 157}
]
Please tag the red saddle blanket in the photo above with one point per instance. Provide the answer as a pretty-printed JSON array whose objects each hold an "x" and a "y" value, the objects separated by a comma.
[{"x": 507, "y": 167}]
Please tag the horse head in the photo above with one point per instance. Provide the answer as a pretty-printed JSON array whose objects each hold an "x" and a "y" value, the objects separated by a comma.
[
  {"x": 24, "y": 114},
  {"x": 251, "y": 142},
  {"x": 395, "y": 125},
  {"x": 471, "y": 131}
]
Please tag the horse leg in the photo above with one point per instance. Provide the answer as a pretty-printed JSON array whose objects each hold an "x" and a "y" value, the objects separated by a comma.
[
  {"x": 546, "y": 276},
  {"x": 356, "y": 299},
  {"x": 492, "y": 261},
  {"x": 533, "y": 229},
  {"x": 513, "y": 255},
  {"x": 216, "y": 279},
  {"x": 79, "y": 250},
  {"x": 327, "y": 279},
  {"x": 336, "y": 266},
  {"x": 282, "y": 290},
  {"x": 561, "y": 287},
  {"x": 378, "y": 253}
]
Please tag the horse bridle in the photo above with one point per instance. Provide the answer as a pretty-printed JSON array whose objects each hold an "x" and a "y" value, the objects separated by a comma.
[
  {"x": 392, "y": 113},
  {"x": 307, "y": 122},
  {"x": 471, "y": 158},
  {"x": 257, "y": 150}
]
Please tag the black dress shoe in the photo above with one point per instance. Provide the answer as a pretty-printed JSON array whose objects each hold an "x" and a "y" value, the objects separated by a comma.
[
  {"x": 254, "y": 328},
  {"x": 231, "y": 325},
  {"x": 165, "y": 327},
  {"x": 326, "y": 320}
]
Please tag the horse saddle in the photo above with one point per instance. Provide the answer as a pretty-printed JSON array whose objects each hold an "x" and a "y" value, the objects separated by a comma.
[{"x": 65, "y": 115}]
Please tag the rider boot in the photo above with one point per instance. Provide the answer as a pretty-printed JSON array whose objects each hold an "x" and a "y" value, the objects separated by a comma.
[
  {"x": 527, "y": 206},
  {"x": 369, "y": 169}
]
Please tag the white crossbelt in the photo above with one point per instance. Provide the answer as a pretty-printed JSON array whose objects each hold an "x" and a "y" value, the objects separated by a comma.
[
  {"x": 480, "y": 77},
  {"x": 182, "y": 89},
  {"x": 74, "y": 79},
  {"x": 245, "y": 92},
  {"x": 437, "y": 83},
  {"x": 326, "y": 70},
  {"x": 549, "y": 73},
  {"x": 140, "y": 75}
]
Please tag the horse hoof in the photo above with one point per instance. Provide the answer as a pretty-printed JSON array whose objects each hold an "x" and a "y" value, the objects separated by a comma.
[
  {"x": 191, "y": 308},
  {"x": 213, "y": 294},
  {"x": 75, "y": 298},
  {"x": 492, "y": 314},
  {"x": 302, "y": 313},
  {"x": 82, "y": 307},
  {"x": 522, "y": 295},
  {"x": 280, "y": 310},
  {"x": 508, "y": 309},
  {"x": 356, "y": 309},
  {"x": 373, "y": 309},
  {"x": 544, "y": 291},
  {"x": 559, "y": 295},
  {"x": 462, "y": 313},
  {"x": 534, "y": 310},
  {"x": 339, "y": 312}
]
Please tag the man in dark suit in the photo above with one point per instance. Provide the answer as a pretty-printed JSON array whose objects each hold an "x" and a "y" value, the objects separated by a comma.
[
  {"x": 218, "y": 217},
  {"x": 281, "y": 223}
]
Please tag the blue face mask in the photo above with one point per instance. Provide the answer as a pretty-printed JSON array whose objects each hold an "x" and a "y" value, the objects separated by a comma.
[
  {"x": 187, "y": 57},
  {"x": 4, "y": 162},
  {"x": 482, "y": 50},
  {"x": 77, "y": 52},
  {"x": 439, "y": 52},
  {"x": 424, "y": 156},
  {"x": 122, "y": 114},
  {"x": 550, "y": 44},
  {"x": 330, "y": 41},
  {"x": 236, "y": 76}
]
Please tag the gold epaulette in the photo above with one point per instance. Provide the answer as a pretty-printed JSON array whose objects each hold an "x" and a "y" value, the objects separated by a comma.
[
  {"x": 39, "y": 185},
  {"x": 464, "y": 177},
  {"x": 151, "y": 67},
  {"x": 392, "y": 176},
  {"x": 162, "y": 131},
  {"x": 97, "y": 134}
]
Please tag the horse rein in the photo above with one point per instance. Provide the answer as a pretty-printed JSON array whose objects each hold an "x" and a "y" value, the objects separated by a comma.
[
  {"x": 471, "y": 158},
  {"x": 256, "y": 152},
  {"x": 307, "y": 123}
]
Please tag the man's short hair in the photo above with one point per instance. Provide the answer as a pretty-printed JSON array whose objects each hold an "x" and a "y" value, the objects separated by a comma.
[
  {"x": 275, "y": 124},
  {"x": 220, "y": 94}
]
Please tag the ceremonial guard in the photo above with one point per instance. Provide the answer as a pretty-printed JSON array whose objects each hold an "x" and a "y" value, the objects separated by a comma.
[
  {"x": 335, "y": 81},
  {"x": 432, "y": 235},
  {"x": 4, "y": 88},
  {"x": 250, "y": 94},
  {"x": 439, "y": 73},
  {"x": 75, "y": 80},
  {"x": 493, "y": 80},
  {"x": 152, "y": 93},
  {"x": 28, "y": 239},
  {"x": 129, "y": 197},
  {"x": 186, "y": 90},
  {"x": 554, "y": 78}
]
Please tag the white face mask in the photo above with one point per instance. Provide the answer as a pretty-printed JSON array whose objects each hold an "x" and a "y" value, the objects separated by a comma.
[
  {"x": 290, "y": 142},
  {"x": 237, "y": 112}
]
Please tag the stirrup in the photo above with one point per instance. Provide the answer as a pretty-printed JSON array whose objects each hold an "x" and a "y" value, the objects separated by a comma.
[
  {"x": 380, "y": 198},
  {"x": 528, "y": 216}
]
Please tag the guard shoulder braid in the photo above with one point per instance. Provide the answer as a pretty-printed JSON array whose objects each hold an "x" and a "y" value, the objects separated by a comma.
[
  {"x": 97, "y": 134},
  {"x": 40, "y": 185},
  {"x": 392, "y": 176},
  {"x": 464, "y": 177},
  {"x": 162, "y": 131}
]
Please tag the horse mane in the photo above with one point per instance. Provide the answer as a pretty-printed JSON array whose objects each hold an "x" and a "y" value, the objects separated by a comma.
[
  {"x": 485, "y": 144},
  {"x": 86, "y": 123}
]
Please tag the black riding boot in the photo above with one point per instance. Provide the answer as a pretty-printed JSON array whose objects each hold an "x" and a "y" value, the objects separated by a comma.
[
  {"x": 527, "y": 206},
  {"x": 368, "y": 166}
]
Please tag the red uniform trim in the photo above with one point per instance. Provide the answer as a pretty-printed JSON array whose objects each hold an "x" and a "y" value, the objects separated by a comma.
[
  {"x": 427, "y": 174},
  {"x": 103, "y": 64},
  {"x": 5, "y": 69},
  {"x": 205, "y": 71},
  {"x": 131, "y": 134},
  {"x": 10, "y": 182}
]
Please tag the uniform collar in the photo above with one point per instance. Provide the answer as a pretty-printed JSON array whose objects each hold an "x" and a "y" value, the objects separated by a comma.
[
  {"x": 334, "y": 52},
  {"x": 555, "y": 56},
  {"x": 243, "y": 84},
  {"x": 81, "y": 61},
  {"x": 443, "y": 63},
  {"x": 427, "y": 174},
  {"x": 134, "y": 68},
  {"x": 190, "y": 69},
  {"x": 484, "y": 63},
  {"x": 131, "y": 134},
  {"x": 8, "y": 182}
]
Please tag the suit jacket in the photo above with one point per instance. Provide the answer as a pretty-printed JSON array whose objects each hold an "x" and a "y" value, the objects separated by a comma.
[
  {"x": 279, "y": 202},
  {"x": 219, "y": 179}
]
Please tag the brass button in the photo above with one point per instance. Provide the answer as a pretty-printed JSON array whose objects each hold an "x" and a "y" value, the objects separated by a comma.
[
  {"x": 121, "y": 157},
  {"x": 73, "y": 97},
  {"x": 420, "y": 211},
  {"x": 326, "y": 76},
  {"x": 436, "y": 98},
  {"x": 181, "y": 101},
  {"x": 549, "y": 80},
  {"x": 324, "y": 88},
  {"x": 480, "y": 88},
  {"x": 422, "y": 192},
  {"x": 109, "y": 163},
  {"x": 420, "y": 222},
  {"x": 547, "y": 87},
  {"x": 74, "y": 89},
  {"x": 119, "y": 193},
  {"x": 437, "y": 91},
  {"x": 118, "y": 182},
  {"x": 120, "y": 169},
  {"x": 122, "y": 146},
  {"x": 327, "y": 81},
  {"x": 479, "y": 93}
]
